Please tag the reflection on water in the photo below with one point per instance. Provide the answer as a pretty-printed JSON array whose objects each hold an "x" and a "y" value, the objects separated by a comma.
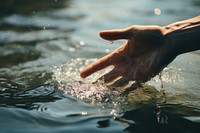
[
  {"x": 161, "y": 120},
  {"x": 44, "y": 45}
]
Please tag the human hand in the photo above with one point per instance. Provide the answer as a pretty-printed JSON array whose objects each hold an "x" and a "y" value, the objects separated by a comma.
[{"x": 146, "y": 52}]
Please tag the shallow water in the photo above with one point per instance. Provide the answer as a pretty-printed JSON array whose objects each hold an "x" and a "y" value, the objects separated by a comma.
[{"x": 44, "y": 45}]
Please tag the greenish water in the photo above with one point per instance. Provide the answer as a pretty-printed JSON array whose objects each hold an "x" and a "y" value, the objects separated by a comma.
[{"x": 44, "y": 45}]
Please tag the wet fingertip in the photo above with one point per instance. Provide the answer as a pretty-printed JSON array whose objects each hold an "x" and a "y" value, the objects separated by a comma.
[
  {"x": 82, "y": 75},
  {"x": 102, "y": 34},
  {"x": 105, "y": 34}
]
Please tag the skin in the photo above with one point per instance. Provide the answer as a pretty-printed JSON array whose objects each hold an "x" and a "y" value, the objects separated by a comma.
[{"x": 146, "y": 52}]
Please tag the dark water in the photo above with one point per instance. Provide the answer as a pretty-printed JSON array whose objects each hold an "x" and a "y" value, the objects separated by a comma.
[{"x": 43, "y": 46}]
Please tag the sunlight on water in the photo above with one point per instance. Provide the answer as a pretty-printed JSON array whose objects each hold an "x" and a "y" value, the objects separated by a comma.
[
  {"x": 67, "y": 77},
  {"x": 69, "y": 82},
  {"x": 70, "y": 71},
  {"x": 170, "y": 75}
]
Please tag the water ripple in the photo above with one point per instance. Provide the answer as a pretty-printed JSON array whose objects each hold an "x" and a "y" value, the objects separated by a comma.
[{"x": 16, "y": 95}]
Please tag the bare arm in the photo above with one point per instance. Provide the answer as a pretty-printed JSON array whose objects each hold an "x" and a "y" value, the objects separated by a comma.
[{"x": 184, "y": 35}]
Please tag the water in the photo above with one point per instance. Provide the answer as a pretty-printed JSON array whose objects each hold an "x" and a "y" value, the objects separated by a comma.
[{"x": 44, "y": 45}]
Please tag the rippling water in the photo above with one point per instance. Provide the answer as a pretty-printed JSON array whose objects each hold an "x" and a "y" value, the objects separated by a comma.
[{"x": 44, "y": 45}]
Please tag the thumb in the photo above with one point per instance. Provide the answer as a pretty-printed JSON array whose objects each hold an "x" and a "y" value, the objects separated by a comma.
[{"x": 117, "y": 34}]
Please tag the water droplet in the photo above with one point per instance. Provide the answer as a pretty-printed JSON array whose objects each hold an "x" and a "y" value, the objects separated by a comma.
[
  {"x": 111, "y": 42},
  {"x": 107, "y": 50},
  {"x": 84, "y": 113},
  {"x": 71, "y": 49},
  {"x": 82, "y": 43},
  {"x": 113, "y": 112},
  {"x": 157, "y": 11}
]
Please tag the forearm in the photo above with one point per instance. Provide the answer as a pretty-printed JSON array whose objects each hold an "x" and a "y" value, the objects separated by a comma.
[{"x": 184, "y": 36}]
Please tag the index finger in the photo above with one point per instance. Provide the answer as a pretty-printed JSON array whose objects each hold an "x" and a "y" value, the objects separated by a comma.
[
  {"x": 96, "y": 66},
  {"x": 111, "y": 58}
]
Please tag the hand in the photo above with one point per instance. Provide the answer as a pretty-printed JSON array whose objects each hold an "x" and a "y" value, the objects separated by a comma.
[{"x": 146, "y": 52}]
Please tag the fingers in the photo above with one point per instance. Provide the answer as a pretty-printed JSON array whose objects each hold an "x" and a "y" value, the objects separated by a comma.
[
  {"x": 110, "y": 59},
  {"x": 110, "y": 76},
  {"x": 121, "y": 82},
  {"x": 131, "y": 88},
  {"x": 96, "y": 66},
  {"x": 112, "y": 35}
]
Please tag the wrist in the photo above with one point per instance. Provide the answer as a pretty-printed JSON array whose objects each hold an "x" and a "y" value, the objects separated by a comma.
[
  {"x": 169, "y": 33},
  {"x": 183, "y": 36},
  {"x": 169, "y": 43}
]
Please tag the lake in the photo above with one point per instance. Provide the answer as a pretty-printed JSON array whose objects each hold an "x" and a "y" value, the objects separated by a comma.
[{"x": 45, "y": 44}]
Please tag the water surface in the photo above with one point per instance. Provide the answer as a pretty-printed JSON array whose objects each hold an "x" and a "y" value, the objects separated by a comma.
[{"x": 44, "y": 45}]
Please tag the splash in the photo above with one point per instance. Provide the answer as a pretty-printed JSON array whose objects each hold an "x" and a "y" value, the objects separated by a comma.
[{"x": 69, "y": 82}]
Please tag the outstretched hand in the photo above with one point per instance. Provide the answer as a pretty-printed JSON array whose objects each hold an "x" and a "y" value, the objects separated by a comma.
[{"x": 146, "y": 52}]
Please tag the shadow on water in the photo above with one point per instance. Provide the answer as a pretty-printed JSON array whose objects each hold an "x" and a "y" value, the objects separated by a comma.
[{"x": 169, "y": 118}]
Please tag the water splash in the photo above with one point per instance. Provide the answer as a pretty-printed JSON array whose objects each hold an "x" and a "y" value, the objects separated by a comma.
[{"x": 69, "y": 82}]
